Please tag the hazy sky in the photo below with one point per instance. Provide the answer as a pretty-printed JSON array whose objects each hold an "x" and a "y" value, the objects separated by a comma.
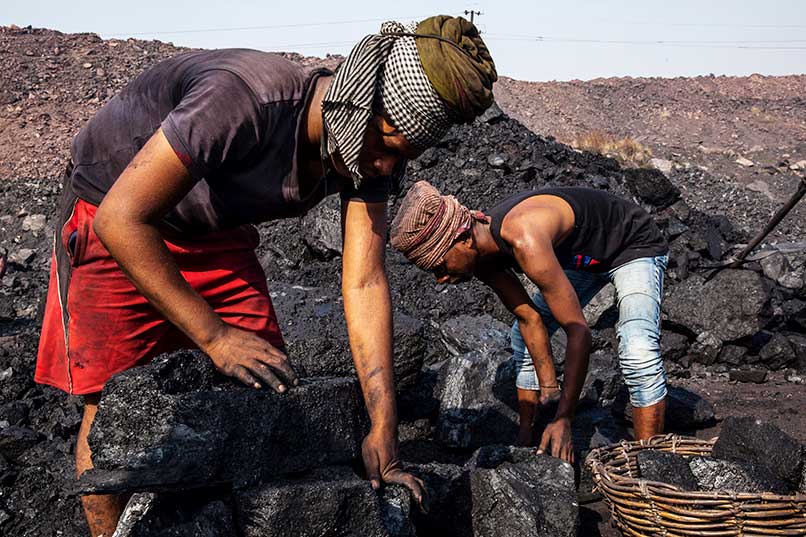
[{"x": 532, "y": 40}]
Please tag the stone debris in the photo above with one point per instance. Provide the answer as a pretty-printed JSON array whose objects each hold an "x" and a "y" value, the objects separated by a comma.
[
  {"x": 757, "y": 376},
  {"x": 666, "y": 467}
]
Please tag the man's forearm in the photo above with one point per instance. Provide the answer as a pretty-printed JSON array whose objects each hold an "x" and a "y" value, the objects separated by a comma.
[
  {"x": 368, "y": 310},
  {"x": 577, "y": 354},
  {"x": 142, "y": 255},
  {"x": 536, "y": 338}
]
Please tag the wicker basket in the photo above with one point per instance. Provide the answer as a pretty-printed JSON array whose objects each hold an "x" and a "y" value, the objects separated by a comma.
[{"x": 647, "y": 508}]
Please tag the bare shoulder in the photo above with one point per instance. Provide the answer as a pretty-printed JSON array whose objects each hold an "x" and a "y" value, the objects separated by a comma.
[{"x": 536, "y": 222}]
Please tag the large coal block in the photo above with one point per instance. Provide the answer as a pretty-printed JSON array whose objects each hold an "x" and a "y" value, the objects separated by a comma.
[
  {"x": 729, "y": 476},
  {"x": 477, "y": 400},
  {"x": 313, "y": 326},
  {"x": 730, "y": 306},
  {"x": 330, "y": 501},
  {"x": 187, "y": 426},
  {"x": 757, "y": 443},
  {"x": 524, "y": 494},
  {"x": 665, "y": 467}
]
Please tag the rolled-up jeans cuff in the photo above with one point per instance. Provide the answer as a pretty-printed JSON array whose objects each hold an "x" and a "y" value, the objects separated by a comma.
[
  {"x": 530, "y": 386},
  {"x": 643, "y": 398}
]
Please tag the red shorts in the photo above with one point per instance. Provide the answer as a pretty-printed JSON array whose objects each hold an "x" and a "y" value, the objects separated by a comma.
[{"x": 97, "y": 324}]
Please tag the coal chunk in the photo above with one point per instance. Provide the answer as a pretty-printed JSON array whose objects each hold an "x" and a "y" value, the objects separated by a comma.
[
  {"x": 467, "y": 333},
  {"x": 186, "y": 426},
  {"x": 729, "y": 306},
  {"x": 604, "y": 380},
  {"x": 329, "y": 501},
  {"x": 477, "y": 399},
  {"x": 651, "y": 186},
  {"x": 760, "y": 444},
  {"x": 730, "y": 476},
  {"x": 665, "y": 467},
  {"x": 14, "y": 441},
  {"x": 524, "y": 494}
]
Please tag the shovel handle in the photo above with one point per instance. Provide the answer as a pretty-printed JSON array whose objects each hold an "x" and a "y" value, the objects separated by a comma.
[{"x": 774, "y": 221}]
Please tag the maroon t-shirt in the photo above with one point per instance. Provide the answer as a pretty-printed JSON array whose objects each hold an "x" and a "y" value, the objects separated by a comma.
[{"x": 232, "y": 116}]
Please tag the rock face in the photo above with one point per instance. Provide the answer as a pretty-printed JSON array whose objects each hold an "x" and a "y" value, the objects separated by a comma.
[
  {"x": 665, "y": 467},
  {"x": 760, "y": 444},
  {"x": 184, "y": 429},
  {"x": 332, "y": 501},
  {"x": 728, "y": 476},
  {"x": 523, "y": 494},
  {"x": 729, "y": 306},
  {"x": 315, "y": 332},
  {"x": 467, "y": 333},
  {"x": 477, "y": 400}
]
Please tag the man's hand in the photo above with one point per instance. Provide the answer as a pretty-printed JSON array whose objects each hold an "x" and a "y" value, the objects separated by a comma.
[
  {"x": 558, "y": 435},
  {"x": 379, "y": 451},
  {"x": 251, "y": 359}
]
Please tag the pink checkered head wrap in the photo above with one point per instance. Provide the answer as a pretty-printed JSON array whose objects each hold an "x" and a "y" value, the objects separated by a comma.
[{"x": 427, "y": 225}]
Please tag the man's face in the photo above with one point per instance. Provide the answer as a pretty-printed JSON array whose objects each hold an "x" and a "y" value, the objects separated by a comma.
[
  {"x": 383, "y": 150},
  {"x": 458, "y": 264}
]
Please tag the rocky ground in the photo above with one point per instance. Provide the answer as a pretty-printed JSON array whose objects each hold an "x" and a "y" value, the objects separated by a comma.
[{"x": 747, "y": 324}]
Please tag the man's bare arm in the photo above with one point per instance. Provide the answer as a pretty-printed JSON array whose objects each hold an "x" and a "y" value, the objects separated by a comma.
[
  {"x": 127, "y": 223},
  {"x": 368, "y": 311},
  {"x": 512, "y": 294}
]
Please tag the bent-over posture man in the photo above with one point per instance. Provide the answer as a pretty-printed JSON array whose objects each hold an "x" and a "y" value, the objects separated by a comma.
[
  {"x": 155, "y": 248},
  {"x": 570, "y": 242}
]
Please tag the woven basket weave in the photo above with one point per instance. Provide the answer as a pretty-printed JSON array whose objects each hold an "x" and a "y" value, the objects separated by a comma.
[{"x": 644, "y": 508}]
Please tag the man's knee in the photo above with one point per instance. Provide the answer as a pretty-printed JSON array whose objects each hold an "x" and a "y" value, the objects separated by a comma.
[{"x": 641, "y": 363}]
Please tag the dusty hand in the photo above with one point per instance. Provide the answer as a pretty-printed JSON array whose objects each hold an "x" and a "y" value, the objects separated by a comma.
[
  {"x": 558, "y": 435},
  {"x": 549, "y": 396},
  {"x": 251, "y": 359},
  {"x": 379, "y": 451}
]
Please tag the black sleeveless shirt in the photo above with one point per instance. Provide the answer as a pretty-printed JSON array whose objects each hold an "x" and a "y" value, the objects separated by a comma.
[{"x": 608, "y": 231}]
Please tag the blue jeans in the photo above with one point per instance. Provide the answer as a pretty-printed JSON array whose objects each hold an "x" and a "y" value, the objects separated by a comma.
[{"x": 639, "y": 290}]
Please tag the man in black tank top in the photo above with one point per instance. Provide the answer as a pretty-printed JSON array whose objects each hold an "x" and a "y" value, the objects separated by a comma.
[{"x": 570, "y": 242}]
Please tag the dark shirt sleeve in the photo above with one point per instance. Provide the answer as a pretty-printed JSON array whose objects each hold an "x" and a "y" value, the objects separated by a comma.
[{"x": 217, "y": 123}]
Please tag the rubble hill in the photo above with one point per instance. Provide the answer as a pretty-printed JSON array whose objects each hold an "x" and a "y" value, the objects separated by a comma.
[{"x": 451, "y": 358}]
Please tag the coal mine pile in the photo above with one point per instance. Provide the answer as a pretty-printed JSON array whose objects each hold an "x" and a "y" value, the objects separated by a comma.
[{"x": 200, "y": 468}]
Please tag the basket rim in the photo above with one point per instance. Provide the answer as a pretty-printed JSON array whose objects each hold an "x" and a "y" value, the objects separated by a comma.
[{"x": 600, "y": 472}]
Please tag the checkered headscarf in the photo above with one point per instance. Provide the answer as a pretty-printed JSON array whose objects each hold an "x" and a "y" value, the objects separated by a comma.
[{"x": 387, "y": 65}]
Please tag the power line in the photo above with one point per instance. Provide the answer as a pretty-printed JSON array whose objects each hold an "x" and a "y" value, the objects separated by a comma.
[
  {"x": 737, "y": 44},
  {"x": 265, "y": 27}
]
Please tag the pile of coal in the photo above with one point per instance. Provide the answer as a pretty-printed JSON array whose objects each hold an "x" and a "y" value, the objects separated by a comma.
[{"x": 749, "y": 456}]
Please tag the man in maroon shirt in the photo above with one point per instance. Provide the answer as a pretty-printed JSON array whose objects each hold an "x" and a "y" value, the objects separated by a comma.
[{"x": 156, "y": 246}]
